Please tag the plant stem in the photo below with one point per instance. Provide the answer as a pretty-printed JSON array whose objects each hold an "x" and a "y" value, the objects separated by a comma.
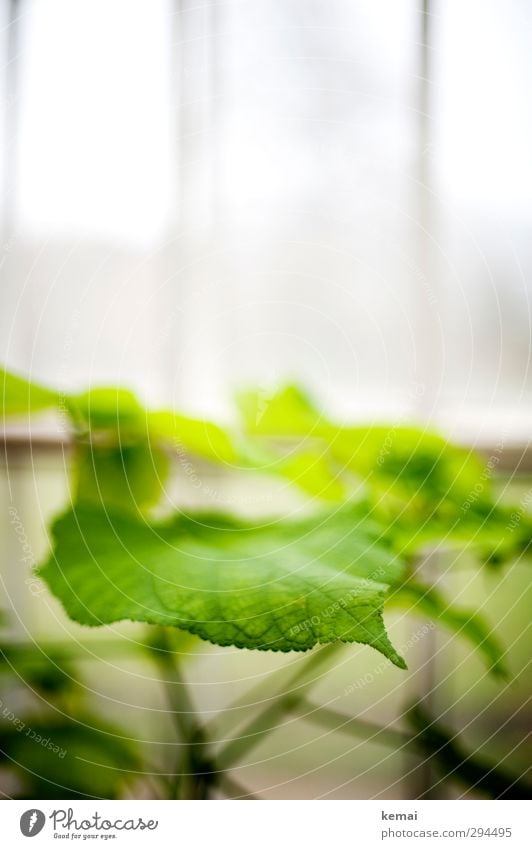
[
  {"x": 352, "y": 725},
  {"x": 233, "y": 789},
  {"x": 193, "y": 772},
  {"x": 266, "y": 721}
]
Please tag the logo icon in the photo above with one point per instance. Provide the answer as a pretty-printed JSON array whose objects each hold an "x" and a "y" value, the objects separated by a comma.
[{"x": 32, "y": 822}]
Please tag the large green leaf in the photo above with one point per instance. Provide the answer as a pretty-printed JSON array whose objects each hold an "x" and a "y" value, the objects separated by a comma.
[{"x": 283, "y": 586}]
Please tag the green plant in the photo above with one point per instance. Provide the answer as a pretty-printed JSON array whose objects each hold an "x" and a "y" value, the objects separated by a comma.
[
  {"x": 382, "y": 496},
  {"x": 51, "y": 742}
]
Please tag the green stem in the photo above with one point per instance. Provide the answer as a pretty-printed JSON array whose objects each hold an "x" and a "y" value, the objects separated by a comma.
[
  {"x": 290, "y": 696},
  {"x": 351, "y": 725},
  {"x": 193, "y": 772},
  {"x": 232, "y": 788}
]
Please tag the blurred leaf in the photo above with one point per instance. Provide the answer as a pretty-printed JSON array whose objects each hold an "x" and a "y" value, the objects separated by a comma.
[
  {"x": 453, "y": 761},
  {"x": 413, "y": 460},
  {"x": 47, "y": 674},
  {"x": 288, "y": 412},
  {"x": 119, "y": 411},
  {"x": 493, "y": 534},
  {"x": 194, "y": 435},
  {"x": 112, "y": 410},
  {"x": 67, "y": 759},
  {"x": 127, "y": 478},
  {"x": 108, "y": 409},
  {"x": 424, "y": 490},
  {"x": 312, "y": 472},
  {"x": 131, "y": 471},
  {"x": 282, "y": 586},
  {"x": 19, "y": 397},
  {"x": 415, "y": 597}
]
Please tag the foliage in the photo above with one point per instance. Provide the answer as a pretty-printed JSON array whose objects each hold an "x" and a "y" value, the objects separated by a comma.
[
  {"x": 282, "y": 586},
  {"x": 381, "y": 497},
  {"x": 47, "y": 751},
  {"x": 423, "y": 489}
]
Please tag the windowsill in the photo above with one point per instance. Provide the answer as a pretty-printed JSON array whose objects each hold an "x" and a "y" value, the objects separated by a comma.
[{"x": 505, "y": 436}]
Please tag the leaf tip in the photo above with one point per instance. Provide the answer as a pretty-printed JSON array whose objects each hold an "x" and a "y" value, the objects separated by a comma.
[{"x": 399, "y": 661}]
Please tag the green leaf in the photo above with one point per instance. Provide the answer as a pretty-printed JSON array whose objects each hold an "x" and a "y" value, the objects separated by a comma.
[
  {"x": 413, "y": 596},
  {"x": 19, "y": 397},
  {"x": 108, "y": 409},
  {"x": 495, "y": 533},
  {"x": 125, "y": 478},
  {"x": 288, "y": 412},
  {"x": 415, "y": 463},
  {"x": 312, "y": 472},
  {"x": 48, "y": 674},
  {"x": 412, "y": 462},
  {"x": 283, "y": 586},
  {"x": 118, "y": 415},
  {"x": 425, "y": 490},
  {"x": 118, "y": 411},
  {"x": 67, "y": 758},
  {"x": 198, "y": 436}
]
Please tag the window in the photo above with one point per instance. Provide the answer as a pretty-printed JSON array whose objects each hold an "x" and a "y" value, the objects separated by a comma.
[{"x": 198, "y": 196}]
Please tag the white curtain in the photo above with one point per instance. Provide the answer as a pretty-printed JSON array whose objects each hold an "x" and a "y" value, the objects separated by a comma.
[{"x": 200, "y": 196}]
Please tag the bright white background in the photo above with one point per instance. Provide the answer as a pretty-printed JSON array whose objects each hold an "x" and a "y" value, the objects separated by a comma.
[{"x": 198, "y": 195}]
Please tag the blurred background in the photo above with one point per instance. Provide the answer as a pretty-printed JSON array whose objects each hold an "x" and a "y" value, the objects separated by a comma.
[{"x": 196, "y": 196}]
